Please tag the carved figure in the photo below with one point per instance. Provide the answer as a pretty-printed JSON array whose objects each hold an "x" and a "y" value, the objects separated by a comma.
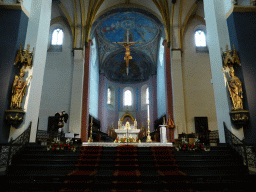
[
  {"x": 235, "y": 89},
  {"x": 18, "y": 90},
  {"x": 127, "y": 125}
]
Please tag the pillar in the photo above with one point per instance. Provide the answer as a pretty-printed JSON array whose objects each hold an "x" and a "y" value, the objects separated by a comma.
[
  {"x": 178, "y": 94},
  {"x": 217, "y": 38},
  {"x": 169, "y": 103},
  {"x": 37, "y": 37},
  {"x": 85, "y": 100},
  {"x": 77, "y": 92}
]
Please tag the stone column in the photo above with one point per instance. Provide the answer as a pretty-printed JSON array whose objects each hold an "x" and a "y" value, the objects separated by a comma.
[
  {"x": 178, "y": 94},
  {"x": 217, "y": 38},
  {"x": 85, "y": 101},
  {"x": 37, "y": 37},
  {"x": 169, "y": 103},
  {"x": 77, "y": 93}
]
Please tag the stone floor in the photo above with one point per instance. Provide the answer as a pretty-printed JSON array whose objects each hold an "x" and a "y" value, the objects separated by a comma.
[{"x": 109, "y": 144}]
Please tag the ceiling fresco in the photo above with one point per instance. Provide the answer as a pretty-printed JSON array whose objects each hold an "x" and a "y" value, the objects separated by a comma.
[
  {"x": 141, "y": 28},
  {"x": 139, "y": 68},
  {"x": 115, "y": 27}
]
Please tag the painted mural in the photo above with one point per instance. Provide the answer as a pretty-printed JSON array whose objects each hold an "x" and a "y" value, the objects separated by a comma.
[
  {"x": 139, "y": 68},
  {"x": 141, "y": 28}
]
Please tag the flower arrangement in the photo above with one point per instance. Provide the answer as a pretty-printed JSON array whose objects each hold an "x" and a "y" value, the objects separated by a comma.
[
  {"x": 56, "y": 146},
  {"x": 185, "y": 146}
]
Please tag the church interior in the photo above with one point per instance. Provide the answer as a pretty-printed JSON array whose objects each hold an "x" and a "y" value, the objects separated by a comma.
[{"x": 96, "y": 75}]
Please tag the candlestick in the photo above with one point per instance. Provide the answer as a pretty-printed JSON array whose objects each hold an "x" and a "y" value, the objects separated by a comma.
[
  {"x": 148, "y": 112},
  {"x": 91, "y": 119}
]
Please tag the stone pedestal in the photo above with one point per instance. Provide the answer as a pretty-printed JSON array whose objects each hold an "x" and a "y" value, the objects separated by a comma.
[{"x": 163, "y": 134}]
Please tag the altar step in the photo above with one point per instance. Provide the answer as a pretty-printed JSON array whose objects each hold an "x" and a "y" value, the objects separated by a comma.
[{"x": 36, "y": 169}]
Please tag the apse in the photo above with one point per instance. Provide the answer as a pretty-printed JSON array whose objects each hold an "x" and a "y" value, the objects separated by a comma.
[{"x": 127, "y": 25}]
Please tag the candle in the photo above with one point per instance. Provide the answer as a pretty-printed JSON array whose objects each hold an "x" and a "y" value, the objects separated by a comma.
[
  {"x": 148, "y": 112},
  {"x": 91, "y": 119},
  {"x": 164, "y": 120}
]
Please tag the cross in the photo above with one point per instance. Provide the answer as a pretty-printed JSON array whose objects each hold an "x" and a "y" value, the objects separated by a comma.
[{"x": 127, "y": 45}]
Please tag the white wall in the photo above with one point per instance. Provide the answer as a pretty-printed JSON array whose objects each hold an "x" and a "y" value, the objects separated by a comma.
[
  {"x": 57, "y": 85},
  {"x": 198, "y": 90}
]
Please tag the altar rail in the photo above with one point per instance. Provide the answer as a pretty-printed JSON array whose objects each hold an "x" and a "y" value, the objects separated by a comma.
[
  {"x": 7, "y": 150},
  {"x": 245, "y": 150}
]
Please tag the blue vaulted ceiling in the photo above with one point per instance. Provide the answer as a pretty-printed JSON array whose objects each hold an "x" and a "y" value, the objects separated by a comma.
[{"x": 112, "y": 27}]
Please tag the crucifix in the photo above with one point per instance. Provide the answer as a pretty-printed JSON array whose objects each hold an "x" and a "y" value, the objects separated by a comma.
[{"x": 127, "y": 45}]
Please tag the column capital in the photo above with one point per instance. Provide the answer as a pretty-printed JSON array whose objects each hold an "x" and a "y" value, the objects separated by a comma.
[
  {"x": 166, "y": 43},
  {"x": 89, "y": 43}
]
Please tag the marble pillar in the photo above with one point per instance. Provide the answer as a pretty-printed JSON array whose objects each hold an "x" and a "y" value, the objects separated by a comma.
[{"x": 169, "y": 103}]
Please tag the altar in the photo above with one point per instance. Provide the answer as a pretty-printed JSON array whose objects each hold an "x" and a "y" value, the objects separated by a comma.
[{"x": 128, "y": 130}]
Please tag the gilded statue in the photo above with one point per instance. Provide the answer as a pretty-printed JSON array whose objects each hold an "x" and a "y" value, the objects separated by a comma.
[
  {"x": 24, "y": 57},
  {"x": 235, "y": 89},
  {"x": 18, "y": 90}
]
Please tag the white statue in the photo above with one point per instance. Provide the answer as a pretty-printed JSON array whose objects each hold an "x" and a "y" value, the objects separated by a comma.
[{"x": 127, "y": 125}]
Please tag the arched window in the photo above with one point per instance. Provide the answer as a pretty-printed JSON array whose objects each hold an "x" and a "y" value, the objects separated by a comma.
[
  {"x": 147, "y": 96},
  {"x": 127, "y": 98},
  {"x": 57, "y": 37},
  {"x": 200, "y": 38},
  {"x": 109, "y": 96}
]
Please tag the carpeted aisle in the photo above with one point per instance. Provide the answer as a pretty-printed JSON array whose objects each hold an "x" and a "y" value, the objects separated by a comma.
[
  {"x": 87, "y": 164},
  {"x": 124, "y": 168},
  {"x": 171, "y": 177}
]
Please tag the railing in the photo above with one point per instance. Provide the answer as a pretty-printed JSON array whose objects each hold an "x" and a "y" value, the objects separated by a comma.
[
  {"x": 247, "y": 151},
  {"x": 9, "y": 149}
]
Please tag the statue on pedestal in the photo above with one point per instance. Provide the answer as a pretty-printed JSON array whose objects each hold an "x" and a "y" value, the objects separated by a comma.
[
  {"x": 235, "y": 89},
  {"x": 18, "y": 90}
]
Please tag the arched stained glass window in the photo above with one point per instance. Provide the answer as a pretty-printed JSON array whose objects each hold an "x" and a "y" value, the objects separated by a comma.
[
  {"x": 147, "y": 96},
  {"x": 109, "y": 96},
  {"x": 127, "y": 98},
  {"x": 57, "y": 37},
  {"x": 200, "y": 38}
]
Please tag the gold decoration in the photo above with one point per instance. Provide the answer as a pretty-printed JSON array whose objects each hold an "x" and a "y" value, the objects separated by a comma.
[
  {"x": 127, "y": 114},
  {"x": 24, "y": 57},
  {"x": 149, "y": 140},
  {"x": 14, "y": 116},
  {"x": 18, "y": 90},
  {"x": 230, "y": 58},
  {"x": 127, "y": 45},
  {"x": 90, "y": 138}
]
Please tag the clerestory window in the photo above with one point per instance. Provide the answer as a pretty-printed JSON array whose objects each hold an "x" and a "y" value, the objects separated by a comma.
[
  {"x": 200, "y": 38},
  {"x": 57, "y": 37}
]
